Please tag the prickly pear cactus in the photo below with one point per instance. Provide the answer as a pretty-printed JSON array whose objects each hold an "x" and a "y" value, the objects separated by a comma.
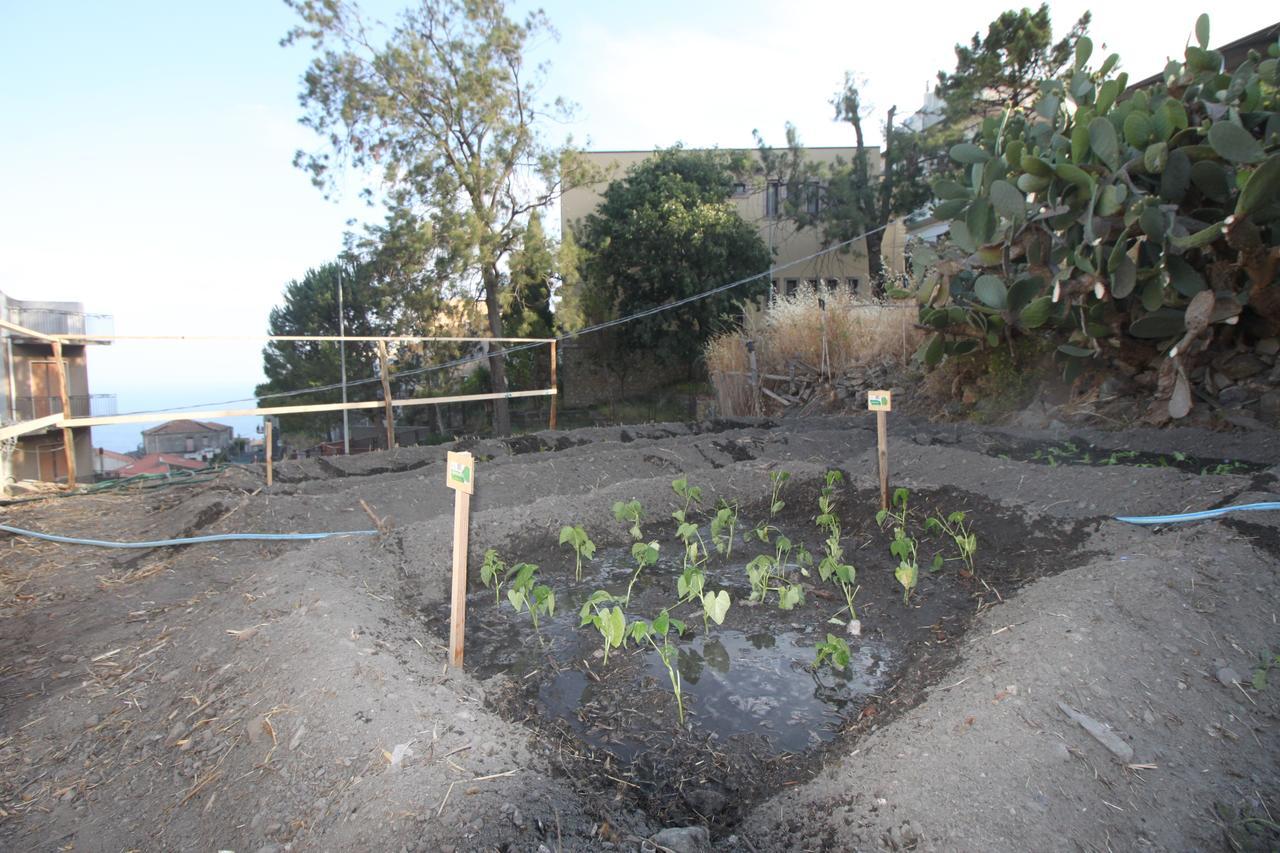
[{"x": 1110, "y": 217}]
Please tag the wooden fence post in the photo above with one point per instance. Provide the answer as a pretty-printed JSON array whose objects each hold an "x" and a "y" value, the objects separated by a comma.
[
  {"x": 881, "y": 402},
  {"x": 68, "y": 437},
  {"x": 266, "y": 436},
  {"x": 554, "y": 387},
  {"x": 755, "y": 378},
  {"x": 386, "y": 395}
]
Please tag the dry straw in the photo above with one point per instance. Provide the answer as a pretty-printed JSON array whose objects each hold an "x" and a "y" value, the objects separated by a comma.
[{"x": 790, "y": 332}]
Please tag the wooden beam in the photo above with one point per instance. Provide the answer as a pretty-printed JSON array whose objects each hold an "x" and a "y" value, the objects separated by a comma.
[
  {"x": 386, "y": 394},
  {"x": 68, "y": 437},
  {"x": 25, "y": 332},
  {"x": 348, "y": 338},
  {"x": 552, "y": 424},
  {"x": 24, "y": 427},
  {"x": 267, "y": 442},
  {"x": 147, "y": 417}
]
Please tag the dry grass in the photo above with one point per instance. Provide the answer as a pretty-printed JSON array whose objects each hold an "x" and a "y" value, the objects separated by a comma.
[{"x": 792, "y": 331}]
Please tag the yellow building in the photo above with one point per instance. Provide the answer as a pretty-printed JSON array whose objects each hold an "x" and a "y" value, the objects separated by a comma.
[{"x": 760, "y": 201}]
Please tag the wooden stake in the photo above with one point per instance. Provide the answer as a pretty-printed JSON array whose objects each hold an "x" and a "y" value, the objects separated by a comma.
[
  {"x": 267, "y": 440},
  {"x": 459, "y": 476},
  {"x": 386, "y": 395},
  {"x": 552, "y": 424},
  {"x": 881, "y": 402},
  {"x": 755, "y": 378},
  {"x": 68, "y": 437},
  {"x": 882, "y": 449}
]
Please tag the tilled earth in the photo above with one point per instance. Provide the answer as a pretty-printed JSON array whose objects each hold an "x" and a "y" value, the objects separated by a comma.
[{"x": 250, "y": 696}]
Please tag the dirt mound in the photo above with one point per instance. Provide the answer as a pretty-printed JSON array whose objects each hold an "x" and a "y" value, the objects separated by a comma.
[{"x": 256, "y": 696}]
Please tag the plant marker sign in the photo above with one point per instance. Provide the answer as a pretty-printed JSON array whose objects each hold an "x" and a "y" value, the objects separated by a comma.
[
  {"x": 460, "y": 471},
  {"x": 881, "y": 402},
  {"x": 460, "y": 475}
]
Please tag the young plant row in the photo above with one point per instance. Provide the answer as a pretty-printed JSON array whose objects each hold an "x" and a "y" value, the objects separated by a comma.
[{"x": 775, "y": 575}]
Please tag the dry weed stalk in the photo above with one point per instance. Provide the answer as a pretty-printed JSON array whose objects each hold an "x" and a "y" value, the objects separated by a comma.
[{"x": 790, "y": 331}]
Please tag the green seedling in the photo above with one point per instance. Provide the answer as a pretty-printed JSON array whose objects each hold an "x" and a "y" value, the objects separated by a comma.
[
  {"x": 804, "y": 560},
  {"x": 790, "y": 595},
  {"x": 715, "y": 606},
  {"x": 761, "y": 531},
  {"x": 582, "y": 545},
  {"x": 493, "y": 572},
  {"x": 642, "y": 631},
  {"x": 725, "y": 519},
  {"x": 630, "y": 511},
  {"x": 961, "y": 534},
  {"x": 782, "y": 550},
  {"x": 897, "y": 510},
  {"x": 777, "y": 480},
  {"x": 834, "y": 651},
  {"x": 645, "y": 554},
  {"x": 1265, "y": 663},
  {"x": 760, "y": 574},
  {"x": 525, "y": 594},
  {"x": 826, "y": 518},
  {"x": 610, "y": 621},
  {"x": 904, "y": 548},
  {"x": 691, "y": 495}
]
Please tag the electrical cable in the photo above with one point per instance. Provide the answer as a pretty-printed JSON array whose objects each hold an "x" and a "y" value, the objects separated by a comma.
[
  {"x": 1198, "y": 516},
  {"x": 193, "y": 540}
]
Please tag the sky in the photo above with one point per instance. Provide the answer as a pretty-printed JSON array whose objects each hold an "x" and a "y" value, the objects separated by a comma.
[{"x": 145, "y": 163}]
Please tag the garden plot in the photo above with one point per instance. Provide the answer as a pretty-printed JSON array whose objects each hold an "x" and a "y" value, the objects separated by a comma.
[
  {"x": 249, "y": 696},
  {"x": 713, "y": 660}
]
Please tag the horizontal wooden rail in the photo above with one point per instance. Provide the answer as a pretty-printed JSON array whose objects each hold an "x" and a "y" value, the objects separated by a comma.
[
  {"x": 24, "y": 427},
  {"x": 25, "y": 332},
  {"x": 145, "y": 417},
  {"x": 347, "y": 339}
]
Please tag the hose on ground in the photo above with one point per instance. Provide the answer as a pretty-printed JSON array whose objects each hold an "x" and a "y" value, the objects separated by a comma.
[
  {"x": 1197, "y": 516},
  {"x": 192, "y": 540}
]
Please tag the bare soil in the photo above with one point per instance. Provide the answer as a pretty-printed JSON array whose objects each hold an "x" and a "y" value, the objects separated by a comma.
[{"x": 251, "y": 696}]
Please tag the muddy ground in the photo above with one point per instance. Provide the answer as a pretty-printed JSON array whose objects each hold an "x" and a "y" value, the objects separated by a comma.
[{"x": 250, "y": 696}]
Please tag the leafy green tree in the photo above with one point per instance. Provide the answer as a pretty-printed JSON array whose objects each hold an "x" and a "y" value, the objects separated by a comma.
[
  {"x": 444, "y": 110},
  {"x": 859, "y": 195},
  {"x": 310, "y": 307},
  {"x": 665, "y": 231},
  {"x": 1005, "y": 67},
  {"x": 526, "y": 302}
]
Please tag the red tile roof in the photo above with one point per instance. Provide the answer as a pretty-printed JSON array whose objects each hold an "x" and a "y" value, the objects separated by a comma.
[
  {"x": 185, "y": 425},
  {"x": 159, "y": 463}
]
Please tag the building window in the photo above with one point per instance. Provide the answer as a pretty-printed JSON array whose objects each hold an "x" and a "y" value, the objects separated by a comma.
[
  {"x": 813, "y": 282},
  {"x": 191, "y": 444},
  {"x": 739, "y": 189},
  {"x": 833, "y": 284},
  {"x": 812, "y": 197},
  {"x": 854, "y": 283},
  {"x": 790, "y": 286},
  {"x": 773, "y": 286},
  {"x": 772, "y": 199}
]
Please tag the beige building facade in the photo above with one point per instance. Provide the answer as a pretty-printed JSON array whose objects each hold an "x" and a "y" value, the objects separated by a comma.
[{"x": 760, "y": 201}]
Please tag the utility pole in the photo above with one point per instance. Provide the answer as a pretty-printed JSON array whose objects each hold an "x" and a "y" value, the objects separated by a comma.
[{"x": 342, "y": 357}]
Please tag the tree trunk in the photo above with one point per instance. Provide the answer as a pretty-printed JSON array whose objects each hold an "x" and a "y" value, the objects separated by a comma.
[{"x": 497, "y": 363}]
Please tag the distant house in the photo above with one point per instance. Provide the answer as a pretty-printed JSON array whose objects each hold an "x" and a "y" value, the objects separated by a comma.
[
  {"x": 186, "y": 436},
  {"x": 107, "y": 462},
  {"x": 158, "y": 463}
]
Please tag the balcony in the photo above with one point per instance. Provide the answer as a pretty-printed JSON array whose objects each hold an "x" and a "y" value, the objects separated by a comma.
[
  {"x": 82, "y": 406},
  {"x": 54, "y": 321}
]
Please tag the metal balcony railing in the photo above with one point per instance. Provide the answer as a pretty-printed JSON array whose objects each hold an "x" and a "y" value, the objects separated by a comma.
[
  {"x": 82, "y": 406},
  {"x": 55, "y": 322}
]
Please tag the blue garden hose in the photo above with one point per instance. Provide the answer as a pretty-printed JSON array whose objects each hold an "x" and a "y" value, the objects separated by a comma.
[
  {"x": 1197, "y": 516},
  {"x": 194, "y": 540}
]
